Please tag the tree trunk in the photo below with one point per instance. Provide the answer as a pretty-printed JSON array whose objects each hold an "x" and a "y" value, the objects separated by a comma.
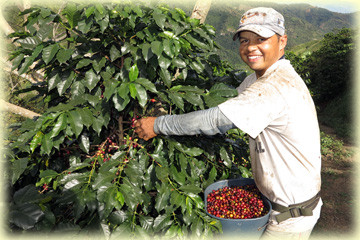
[
  {"x": 201, "y": 10},
  {"x": 18, "y": 110},
  {"x": 5, "y": 27}
]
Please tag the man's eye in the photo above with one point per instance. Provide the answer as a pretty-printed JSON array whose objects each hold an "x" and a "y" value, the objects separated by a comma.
[{"x": 243, "y": 41}]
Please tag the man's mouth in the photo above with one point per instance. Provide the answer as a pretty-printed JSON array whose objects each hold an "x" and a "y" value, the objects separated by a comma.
[{"x": 254, "y": 58}]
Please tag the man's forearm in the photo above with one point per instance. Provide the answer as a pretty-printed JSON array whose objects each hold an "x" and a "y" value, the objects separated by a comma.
[{"x": 209, "y": 122}]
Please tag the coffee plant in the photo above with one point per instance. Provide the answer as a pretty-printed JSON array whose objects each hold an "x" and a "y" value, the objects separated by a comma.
[{"x": 80, "y": 167}]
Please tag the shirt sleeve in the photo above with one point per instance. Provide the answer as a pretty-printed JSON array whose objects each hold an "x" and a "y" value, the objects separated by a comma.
[
  {"x": 255, "y": 107},
  {"x": 209, "y": 122}
]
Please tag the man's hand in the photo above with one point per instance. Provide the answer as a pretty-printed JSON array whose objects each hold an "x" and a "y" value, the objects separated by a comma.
[{"x": 144, "y": 127}]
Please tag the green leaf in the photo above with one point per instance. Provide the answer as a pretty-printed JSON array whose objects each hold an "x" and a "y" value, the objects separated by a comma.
[
  {"x": 178, "y": 62},
  {"x": 146, "y": 51},
  {"x": 89, "y": 11},
  {"x": 44, "y": 32},
  {"x": 125, "y": 49},
  {"x": 48, "y": 174},
  {"x": 75, "y": 121},
  {"x": 77, "y": 89},
  {"x": 162, "y": 221},
  {"x": 194, "y": 99},
  {"x": 172, "y": 232},
  {"x": 86, "y": 116},
  {"x": 103, "y": 179},
  {"x": 120, "y": 102},
  {"x": 64, "y": 54},
  {"x": 162, "y": 197},
  {"x": 176, "y": 99},
  {"x": 85, "y": 25},
  {"x": 190, "y": 189},
  {"x": 146, "y": 222},
  {"x": 225, "y": 157},
  {"x": 133, "y": 73},
  {"x": 53, "y": 81},
  {"x": 27, "y": 194},
  {"x": 18, "y": 167},
  {"x": 159, "y": 18},
  {"x": 83, "y": 63},
  {"x": 147, "y": 84},
  {"x": 16, "y": 61},
  {"x": 29, "y": 42},
  {"x": 131, "y": 193},
  {"x": 164, "y": 62},
  {"x": 35, "y": 142},
  {"x": 223, "y": 90},
  {"x": 46, "y": 145},
  {"x": 91, "y": 79},
  {"x": 84, "y": 143},
  {"x": 49, "y": 52},
  {"x": 194, "y": 41},
  {"x": 197, "y": 227},
  {"x": 99, "y": 64},
  {"x": 72, "y": 14},
  {"x": 114, "y": 53},
  {"x": 165, "y": 76},
  {"x": 189, "y": 206},
  {"x": 98, "y": 123},
  {"x": 197, "y": 66},
  {"x": 104, "y": 23},
  {"x": 179, "y": 177},
  {"x": 141, "y": 94},
  {"x": 59, "y": 126},
  {"x": 26, "y": 215},
  {"x": 168, "y": 48},
  {"x": 30, "y": 60},
  {"x": 132, "y": 90},
  {"x": 157, "y": 48},
  {"x": 66, "y": 80}
]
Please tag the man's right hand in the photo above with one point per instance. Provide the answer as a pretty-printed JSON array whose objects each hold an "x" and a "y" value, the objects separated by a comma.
[{"x": 144, "y": 127}]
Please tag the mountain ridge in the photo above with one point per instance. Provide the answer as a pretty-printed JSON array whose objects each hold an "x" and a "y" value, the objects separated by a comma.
[{"x": 303, "y": 23}]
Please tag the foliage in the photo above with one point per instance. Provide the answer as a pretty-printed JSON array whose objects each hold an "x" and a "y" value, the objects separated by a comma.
[
  {"x": 334, "y": 148},
  {"x": 328, "y": 73},
  {"x": 331, "y": 67},
  {"x": 79, "y": 167}
]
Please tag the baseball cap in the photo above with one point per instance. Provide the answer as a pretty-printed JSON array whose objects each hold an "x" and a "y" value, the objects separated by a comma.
[{"x": 262, "y": 21}]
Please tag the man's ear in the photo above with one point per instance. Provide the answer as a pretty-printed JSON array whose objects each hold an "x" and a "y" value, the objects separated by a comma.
[{"x": 283, "y": 42}]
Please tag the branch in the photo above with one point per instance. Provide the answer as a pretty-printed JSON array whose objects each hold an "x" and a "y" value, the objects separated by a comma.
[
  {"x": 34, "y": 77},
  {"x": 201, "y": 10},
  {"x": 5, "y": 27},
  {"x": 18, "y": 110}
]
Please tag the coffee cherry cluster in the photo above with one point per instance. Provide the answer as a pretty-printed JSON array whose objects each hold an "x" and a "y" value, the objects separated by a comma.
[{"x": 240, "y": 202}]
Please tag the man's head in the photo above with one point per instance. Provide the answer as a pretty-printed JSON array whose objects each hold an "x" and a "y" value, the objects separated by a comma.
[
  {"x": 263, "y": 21},
  {"x": 262, "y": 38}
]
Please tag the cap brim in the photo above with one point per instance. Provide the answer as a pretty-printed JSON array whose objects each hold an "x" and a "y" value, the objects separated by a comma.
[{"x": 259, "y": 30}]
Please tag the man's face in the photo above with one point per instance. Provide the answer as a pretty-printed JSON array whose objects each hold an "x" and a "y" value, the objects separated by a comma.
[{"x": 260, "y": 53}]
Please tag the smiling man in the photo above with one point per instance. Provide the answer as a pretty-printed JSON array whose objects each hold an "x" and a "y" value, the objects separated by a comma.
[{"x": 275, "y": 109}]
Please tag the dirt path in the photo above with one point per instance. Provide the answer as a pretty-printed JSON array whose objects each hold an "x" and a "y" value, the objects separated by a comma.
[{"x": 338, "y": 194}]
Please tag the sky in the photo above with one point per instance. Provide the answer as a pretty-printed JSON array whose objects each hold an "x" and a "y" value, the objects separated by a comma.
[{"x": 346, "y": 6}]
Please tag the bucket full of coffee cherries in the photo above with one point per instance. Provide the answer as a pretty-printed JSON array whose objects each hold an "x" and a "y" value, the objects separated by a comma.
[{"x": 239, "y": 206}]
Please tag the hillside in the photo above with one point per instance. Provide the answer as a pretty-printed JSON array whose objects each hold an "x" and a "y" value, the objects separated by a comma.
[{"x": 303, "y": 23}]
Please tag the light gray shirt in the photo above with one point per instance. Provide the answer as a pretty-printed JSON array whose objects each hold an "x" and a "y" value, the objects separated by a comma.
[{"x": 209, "y": 122}]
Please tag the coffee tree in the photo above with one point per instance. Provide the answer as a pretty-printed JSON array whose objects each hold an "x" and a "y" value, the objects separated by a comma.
[{"x": 79, "y": 166}]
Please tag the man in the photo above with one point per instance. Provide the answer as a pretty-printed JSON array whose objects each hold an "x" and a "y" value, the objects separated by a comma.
[{"x": 275, "y": 109}]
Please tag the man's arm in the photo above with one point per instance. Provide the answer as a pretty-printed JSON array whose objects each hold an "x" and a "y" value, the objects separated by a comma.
[{"x": 209, "y": 122}]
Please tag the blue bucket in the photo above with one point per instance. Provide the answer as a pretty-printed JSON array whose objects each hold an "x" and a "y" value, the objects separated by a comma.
[{"x": 253, "y": 227}]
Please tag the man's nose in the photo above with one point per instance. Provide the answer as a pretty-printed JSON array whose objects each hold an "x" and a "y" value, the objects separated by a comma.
[{"x": 252, "y": 47}]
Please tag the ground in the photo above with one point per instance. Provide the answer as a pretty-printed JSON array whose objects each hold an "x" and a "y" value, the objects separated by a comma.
[{"x": 338, "y": 215}]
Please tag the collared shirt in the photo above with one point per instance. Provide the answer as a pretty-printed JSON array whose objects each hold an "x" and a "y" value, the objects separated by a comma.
[{"x": 278, "y": 113}]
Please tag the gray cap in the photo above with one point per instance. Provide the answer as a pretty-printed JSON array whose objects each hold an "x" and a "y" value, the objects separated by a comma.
[{"x": 262, "y": 21}]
